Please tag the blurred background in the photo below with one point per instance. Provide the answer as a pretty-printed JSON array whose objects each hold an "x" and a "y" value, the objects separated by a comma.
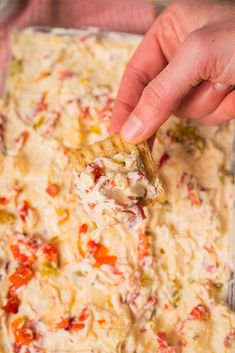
[
  {"x": 134, "y": 16},
  {"x": 128, "y": 15}
]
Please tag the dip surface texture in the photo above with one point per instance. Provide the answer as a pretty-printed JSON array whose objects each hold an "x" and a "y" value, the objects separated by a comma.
[{"x": 67, "y": 286}]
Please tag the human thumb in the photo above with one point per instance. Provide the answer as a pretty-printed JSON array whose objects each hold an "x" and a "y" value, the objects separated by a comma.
[{"x": 164, "y": 93}]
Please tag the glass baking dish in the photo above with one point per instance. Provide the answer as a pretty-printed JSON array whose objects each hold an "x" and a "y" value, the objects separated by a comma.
[{"x": 230, "y": 290}]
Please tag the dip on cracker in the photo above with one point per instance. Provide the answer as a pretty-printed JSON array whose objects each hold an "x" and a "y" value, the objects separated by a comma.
[{"x": 115, "y": 180}]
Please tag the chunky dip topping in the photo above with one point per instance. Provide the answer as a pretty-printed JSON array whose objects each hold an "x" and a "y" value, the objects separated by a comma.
[{"x": 111, "y": 189}]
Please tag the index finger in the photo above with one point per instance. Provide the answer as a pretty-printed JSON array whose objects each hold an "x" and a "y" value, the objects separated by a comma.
[{"x": 146, "y": 63}]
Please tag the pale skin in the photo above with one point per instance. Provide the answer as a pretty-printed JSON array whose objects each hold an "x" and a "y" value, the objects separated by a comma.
[{"x": 185, "y": 66}]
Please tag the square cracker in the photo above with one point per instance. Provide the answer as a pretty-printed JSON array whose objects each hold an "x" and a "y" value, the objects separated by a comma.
[{"x": 112, "y": 145}]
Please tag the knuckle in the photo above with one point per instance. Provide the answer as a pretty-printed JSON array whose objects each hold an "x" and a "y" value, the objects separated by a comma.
[
  {"x": 154, "y": 95},
  {"x": 139, "y": 74},
  {"x": 122, "y": 102},
  {"x": 198, "y": 49},
  {"x": 199, "y": 41}
]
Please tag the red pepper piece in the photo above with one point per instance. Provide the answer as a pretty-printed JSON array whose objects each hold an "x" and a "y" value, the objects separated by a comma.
[
  {"x": 105, "y": 113},
  {"x": 143, "y": 216},
  {"x": 23, "y": 331},
  {"x": 93, "y": 246},
  {"x": 92, "y": 205},
  {"x": 73, "y": 323},
  {"x": 64, "y": 324},
  {"x": 41, "y": 106},
  {"x": 84, "y": 38},
  {"x": 19, "y": 256},
  {"x": 228, "y": 341},
  {"x": 162, "y": 340},
  {"x": 3, "y": 201},
  {"x": 164, "y": 158},
  {"x": 163, "y": 345},
  {"x": 97, "y": 171},
  {"x": 100, "y": 253},
  {"x": 22, "y": 138},
  {"x": 80, "y": 323},
  {"x": 52, "y": 190},
  {"x": 210, "y": 248},
  {"x": 21, "y": 276},
  {"x": 65, "y": 74},
  {"x": 24, "y": 211},
  {"x": 13, "y": 302},
  {"x": 52, "y": 252},
  {"x": 83, "y": 228},
  {"x": 142, "y": 248},
  {"x": 199, "y": 313}
]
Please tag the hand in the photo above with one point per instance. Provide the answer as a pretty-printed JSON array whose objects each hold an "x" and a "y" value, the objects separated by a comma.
[{"x": 185, "y": 65}]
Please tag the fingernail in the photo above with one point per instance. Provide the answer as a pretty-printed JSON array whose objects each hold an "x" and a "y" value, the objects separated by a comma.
[
  {"x": 132, "y": 128},
  {"x": 222, "y": 87}
]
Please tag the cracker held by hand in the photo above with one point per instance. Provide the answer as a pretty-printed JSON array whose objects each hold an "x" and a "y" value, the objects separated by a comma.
[{"x": 116, "y": 179}]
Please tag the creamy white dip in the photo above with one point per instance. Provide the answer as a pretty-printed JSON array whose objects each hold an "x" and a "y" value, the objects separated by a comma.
[{"x": 111, "y": 189}]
